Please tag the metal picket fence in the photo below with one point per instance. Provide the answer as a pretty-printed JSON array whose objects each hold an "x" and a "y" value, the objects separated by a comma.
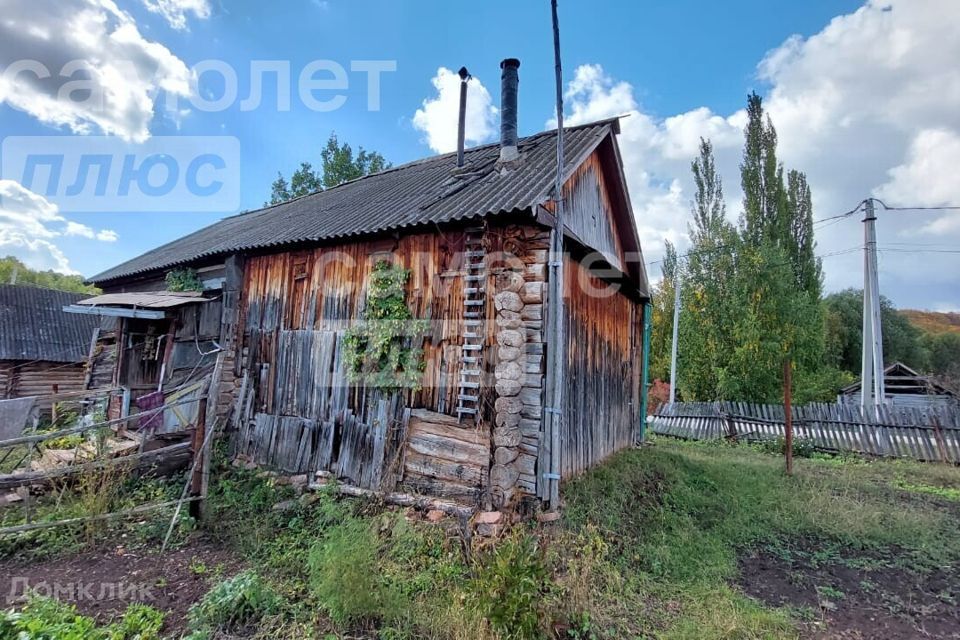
[{"x": 931, "y": 434}]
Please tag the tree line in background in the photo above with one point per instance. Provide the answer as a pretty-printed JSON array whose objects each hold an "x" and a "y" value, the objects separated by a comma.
[
  {"x": 751, "y": 293},
  {"x": 13, "y": 271}
]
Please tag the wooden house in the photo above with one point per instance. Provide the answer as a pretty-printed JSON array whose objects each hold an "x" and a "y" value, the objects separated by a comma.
[
  {"x": 292, "y": 280},
  {"x": 42, "y": 348},
  {"x": 159, "y": 350},
  {"x": 905, "y": 387}
]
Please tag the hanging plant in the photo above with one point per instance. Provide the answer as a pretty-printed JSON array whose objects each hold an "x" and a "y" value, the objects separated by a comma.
[
  {"x": 183, "y": 280},
  {"x": 378, "y": 351}
]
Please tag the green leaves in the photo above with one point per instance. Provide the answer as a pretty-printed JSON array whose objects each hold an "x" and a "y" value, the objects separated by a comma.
[
  {"x": 49, "y": 619},
  {"x": 378, "y": 351},
  {"x": 339, "y": 165},
  {"x": 750, "y": 294},
  {"x": 12, "y": 271},
  {"x": 232, "y": 604},
  {"x": 183, "y": 280}
]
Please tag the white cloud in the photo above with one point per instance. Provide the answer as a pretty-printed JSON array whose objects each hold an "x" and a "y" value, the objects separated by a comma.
[
  {"x": 437, "y": 118},
  {"x": 112, "y": 72},
  {"x": 77, "y": 229},
  {"x": 29, "y": 224},
  {"x": 656, "y": 153},
  {"x": 175, "y": 11},
  {"x": 25, "y": 232},
  {"x": 869, "y": 105},
  {"x": 928, "y": 177}
]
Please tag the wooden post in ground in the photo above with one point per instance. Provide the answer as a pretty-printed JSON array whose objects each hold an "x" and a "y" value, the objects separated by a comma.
[
  {"x": 788, "y": 415},
  {"x": 53, "y": 405},
  {"x": 199, "y": 439}
]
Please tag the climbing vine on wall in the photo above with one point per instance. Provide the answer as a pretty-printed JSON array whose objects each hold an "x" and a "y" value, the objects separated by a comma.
[
  {"x": 183, "y": 280},
  {"x": 379, "y": 351}
]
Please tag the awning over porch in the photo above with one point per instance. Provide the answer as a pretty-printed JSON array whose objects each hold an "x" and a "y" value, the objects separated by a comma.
[{"x": 150, "y": 305}]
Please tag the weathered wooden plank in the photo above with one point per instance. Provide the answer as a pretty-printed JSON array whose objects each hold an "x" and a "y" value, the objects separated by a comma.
[
  {"x": 432, "y": 467},
  {"x": 454, "y": 450}
]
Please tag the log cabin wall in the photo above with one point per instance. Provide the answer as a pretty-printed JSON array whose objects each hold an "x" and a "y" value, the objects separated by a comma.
[
  {"x": 518, "y": 266},
  {"x": 19, "y": 379},
  {"x": 602, "y": 381}
]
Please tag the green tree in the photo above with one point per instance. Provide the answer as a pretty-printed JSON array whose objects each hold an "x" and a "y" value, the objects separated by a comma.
[
  {"x": 902, "y": 342},
  {"x": 761, "y": 177},
  {"x": 751, "y": 294},
  {"x": 706, "y": 284},
  {"x": 662, "y": 302},
  {"x": 944, "y": 358},
  {"x": 303, "y": 182},
  {"x": 13, "y": 271},
  {"x": 338, "y": 165},
  {"x": 800, "y": 246}
]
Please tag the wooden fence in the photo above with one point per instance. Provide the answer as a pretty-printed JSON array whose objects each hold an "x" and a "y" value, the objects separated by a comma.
[{"x": 924, "y": 434}]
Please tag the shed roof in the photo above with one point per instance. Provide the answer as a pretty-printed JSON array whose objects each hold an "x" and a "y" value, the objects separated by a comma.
[
  {"x": 422, "y": 192},
  {"x": 145, "y": 299},
  {"x": 899, "y": 379},
  {"x": 33, "y": 325}
]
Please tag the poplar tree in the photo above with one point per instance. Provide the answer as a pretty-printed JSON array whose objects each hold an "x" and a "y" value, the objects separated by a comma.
[
  {"x": 751, "y": 292},
  {"x": 707, "y": 314}
]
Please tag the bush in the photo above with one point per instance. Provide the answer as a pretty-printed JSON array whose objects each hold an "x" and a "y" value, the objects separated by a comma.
[
  {"x": 802, "y": 447},
  {"x": 509, "y": 587},
  {"x": 49, "y": 619},
  {"x": 233, "y": 604},
  {"x": 346, "y": 578}
]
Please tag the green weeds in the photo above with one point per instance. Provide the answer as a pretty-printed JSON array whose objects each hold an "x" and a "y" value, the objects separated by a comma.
[{"x": 48, "y": 619}]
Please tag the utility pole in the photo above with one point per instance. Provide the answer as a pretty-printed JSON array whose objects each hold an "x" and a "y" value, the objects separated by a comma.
[
  {"x": 872, "y": 390},
  {"x": 676, "y": 331}
]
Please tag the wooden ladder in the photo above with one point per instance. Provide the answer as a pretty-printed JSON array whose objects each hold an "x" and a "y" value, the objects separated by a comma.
[{"x": 474, "y": 307}]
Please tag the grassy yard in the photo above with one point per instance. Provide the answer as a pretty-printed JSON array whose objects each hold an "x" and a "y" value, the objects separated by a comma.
[{"x": 676, "y": 540}]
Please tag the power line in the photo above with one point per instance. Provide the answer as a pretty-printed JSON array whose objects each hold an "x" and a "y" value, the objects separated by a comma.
[
  {"x": 840, "y": 216},
  {"x": 939, "y": 208},
  {"x": 898, "y": 250}
]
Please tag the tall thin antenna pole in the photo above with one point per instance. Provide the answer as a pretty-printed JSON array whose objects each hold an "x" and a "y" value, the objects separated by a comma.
[
  {"x": 676, "y": 334},
  {"x": 556, "y": 283}
]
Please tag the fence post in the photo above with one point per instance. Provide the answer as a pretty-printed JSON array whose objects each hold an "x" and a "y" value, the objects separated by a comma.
[
  {"x": 788, "y": 415},
  {"x": 199, "y": 438},
  {"x": 727, "y": 416},
  {"x": 938, "y": 434}
]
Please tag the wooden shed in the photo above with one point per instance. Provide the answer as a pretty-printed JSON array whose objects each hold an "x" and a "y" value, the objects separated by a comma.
[
  {"x": 294, "y": 280},
  {"x": 42, "y": 348},
  {"x": 905, "y": 387},
  {"x": 161, "y": 347}
]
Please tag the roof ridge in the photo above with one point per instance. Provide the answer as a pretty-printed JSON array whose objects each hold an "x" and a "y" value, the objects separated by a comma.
[{"x": 417, "y": 161}]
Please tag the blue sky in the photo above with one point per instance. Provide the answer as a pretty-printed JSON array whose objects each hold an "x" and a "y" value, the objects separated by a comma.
[{"x": 682, "y": 69}]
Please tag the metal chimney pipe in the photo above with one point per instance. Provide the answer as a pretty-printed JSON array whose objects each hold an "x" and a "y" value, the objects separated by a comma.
[
  {"x": 509, "y": 80},
  {"x": 462, "y": 118}
]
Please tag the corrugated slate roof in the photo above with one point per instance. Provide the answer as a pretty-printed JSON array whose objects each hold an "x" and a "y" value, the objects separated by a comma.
[
  {"x": 145, "y": 299},
  {"x": 34, "y": 326},
  {"x": 421, "y": 192}
]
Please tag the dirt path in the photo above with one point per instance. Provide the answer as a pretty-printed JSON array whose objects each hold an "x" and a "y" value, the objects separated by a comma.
[
  {"x": 855, "y": 594},
  {"x": 102, "y": 582}
]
